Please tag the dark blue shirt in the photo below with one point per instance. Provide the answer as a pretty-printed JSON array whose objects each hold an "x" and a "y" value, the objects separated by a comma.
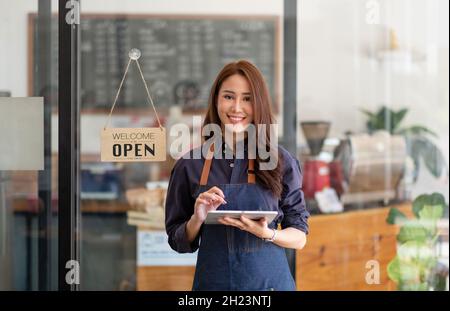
[{"x": 185, "y": 178}]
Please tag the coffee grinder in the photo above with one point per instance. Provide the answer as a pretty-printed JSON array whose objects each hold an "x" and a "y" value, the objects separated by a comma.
[{"x": 316, "y": 173}]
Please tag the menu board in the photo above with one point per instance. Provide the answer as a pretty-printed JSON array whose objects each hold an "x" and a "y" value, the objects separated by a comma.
[{"x": 181, "y": 56}]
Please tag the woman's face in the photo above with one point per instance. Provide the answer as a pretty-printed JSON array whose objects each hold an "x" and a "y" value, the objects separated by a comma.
[{"x": 235, "y": 103}]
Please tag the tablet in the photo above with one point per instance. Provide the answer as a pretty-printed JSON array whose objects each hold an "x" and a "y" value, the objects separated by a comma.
[{"x": 213, "y": 216}]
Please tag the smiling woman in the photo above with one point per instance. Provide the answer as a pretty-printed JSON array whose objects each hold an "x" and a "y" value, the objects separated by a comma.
[
  {"x": 239, "y": 96},
  {"x": 234, "y": 103},
  {"x": 238, "y": 254}
]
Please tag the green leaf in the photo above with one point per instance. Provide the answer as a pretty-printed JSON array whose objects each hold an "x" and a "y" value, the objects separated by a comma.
[
  {"x": 417, "y": 252},
  {"x": 431, "y": 212},
  {"x": 412, "y": 149},
  {"x": 403, "y": 272},
  {"x": 416, "y": 159},
  {"x": 374, "y": 122},
  {"x": 413, "y": 231},
  {"x": 384, "y": 112},
  {"x": 413, "y": 286},
  {"x": 421, "y": 147},
  {"x": 427, "y": 199},
  {"x": 418, "y": 130},
  {"x": 434, "y": 159},
  {"x": 393, "y": 270},
  {"x": 368, "y": 113},
  {"x": 395, "y": 216},
  {"x": 398, "y": 117},
  {"x": 409, "y": 272},
  {"x": 384, "y": 119},
  {"x": 429, "y": 215}
]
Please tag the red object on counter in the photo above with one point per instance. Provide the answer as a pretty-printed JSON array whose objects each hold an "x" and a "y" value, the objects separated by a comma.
[
  {"x": 316, "y": 177},
  {"x": 336, "y": 176}
]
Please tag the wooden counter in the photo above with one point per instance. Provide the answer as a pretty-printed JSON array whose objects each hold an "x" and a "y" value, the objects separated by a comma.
[
  {"x": 339, "y": 247},
  {"x": 23, "y": 205},
  {"x": 165, "y": 278}
]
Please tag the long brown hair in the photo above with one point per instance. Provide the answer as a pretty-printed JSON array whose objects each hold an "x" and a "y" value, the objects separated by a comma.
[{"x": 262, "y": 114}]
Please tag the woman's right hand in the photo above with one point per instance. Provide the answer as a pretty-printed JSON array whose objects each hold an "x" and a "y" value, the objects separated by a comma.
[{"x": 207, "y": 201}]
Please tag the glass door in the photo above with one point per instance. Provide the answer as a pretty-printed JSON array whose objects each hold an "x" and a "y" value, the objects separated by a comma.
[
  {"x": 183, "y": 46},
  {"x": 29, "y": 148}
]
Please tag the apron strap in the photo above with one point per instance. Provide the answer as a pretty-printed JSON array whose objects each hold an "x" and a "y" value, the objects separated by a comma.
[
  {"x": 251, "y": 171},
  {"x": 206, "y": 167},
  {"x": 251, "y": 178}
]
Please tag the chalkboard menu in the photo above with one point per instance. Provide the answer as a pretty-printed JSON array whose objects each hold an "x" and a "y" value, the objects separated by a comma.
[{"x": 181, "y": 56}]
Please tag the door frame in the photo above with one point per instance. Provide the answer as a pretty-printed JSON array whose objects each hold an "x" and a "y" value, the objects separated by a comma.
[{"x": 69, "y": 220}]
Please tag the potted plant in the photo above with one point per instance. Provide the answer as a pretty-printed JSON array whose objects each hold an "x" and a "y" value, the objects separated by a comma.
[
  {"x": 416, "y": 265},
  {"x": 417, "y": 137}
]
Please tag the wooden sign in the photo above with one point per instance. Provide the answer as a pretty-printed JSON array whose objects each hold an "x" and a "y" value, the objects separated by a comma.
[{"x": 133, "y": 144}]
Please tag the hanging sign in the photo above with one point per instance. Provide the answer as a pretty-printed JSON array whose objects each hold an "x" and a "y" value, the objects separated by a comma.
[{"x": 133, "y": 144}]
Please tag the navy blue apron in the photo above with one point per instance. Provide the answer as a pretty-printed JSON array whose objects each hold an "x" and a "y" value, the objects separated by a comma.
[{"x": 232, "y": 259}]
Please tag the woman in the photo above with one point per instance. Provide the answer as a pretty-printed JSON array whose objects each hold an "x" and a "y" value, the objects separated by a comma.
[{"x": 239, "y": 254}]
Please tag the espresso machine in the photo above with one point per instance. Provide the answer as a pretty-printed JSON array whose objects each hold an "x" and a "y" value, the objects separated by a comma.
[
  {"x": 372, "y": 166},
  {"x": 363, "y": 169}
]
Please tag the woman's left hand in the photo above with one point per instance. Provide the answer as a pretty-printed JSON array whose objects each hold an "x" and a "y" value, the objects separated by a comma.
[{"x": 257, "y": 227}]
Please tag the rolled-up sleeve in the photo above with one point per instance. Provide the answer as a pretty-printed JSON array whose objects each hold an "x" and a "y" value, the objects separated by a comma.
[
  {"x": 292, "y": 202},
  {"x": 179, "y": 209}
]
